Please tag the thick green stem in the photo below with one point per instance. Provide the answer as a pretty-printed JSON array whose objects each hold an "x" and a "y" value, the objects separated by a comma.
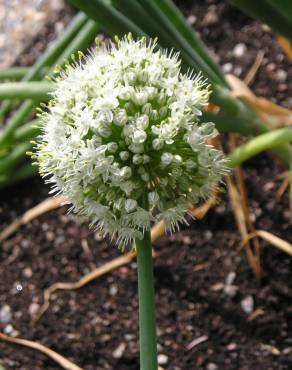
[
  {"x": 148, "y": 346},
  {"x": 260, "y": 143}
]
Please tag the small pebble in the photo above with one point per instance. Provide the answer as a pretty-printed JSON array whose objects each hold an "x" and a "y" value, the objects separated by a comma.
[
  {"x": 270, "y": 185},
  {"x": 113, "y": 289},
  {"x": 282, "y": 87},
  {"x": 237, "y": 71},
  {"x": 119, "y": 351},
  {"x": 247, "y": 304},
  {"x": 8, "y": 329},
  {"x": 27, "y": 272},
  {"x": 17, "y": 288},
  {"x": 271, "y": 67},
  {"x": 211, "y": 17},
  {"x": 211, "y": 366},
  {"x": 24, "y": 243},
  {"x": 281, "y": 75},
  {"x": 162, "y": 359},
  {"x": 45, "y": 226},
  {"x": 33, "y": 308},
  {"x": 129, "y": 337},
  {"x": 187, "y": 240},
  {"x": 5, "y": 314},
  {"x": 287, "y": 351},
  {"x": 50, "y": 236},
  {"x": 271, "y": 349},
  {"x": 230, "y": 290},
  {"x": 192, "y": 19},
  {"x": 230, "y": 278},
  {"x": 239, "y": 50},
  {"x": 227, "y": 67},
  {"x": 208, "y": 235},
  {"x": 231, "y": 346}
]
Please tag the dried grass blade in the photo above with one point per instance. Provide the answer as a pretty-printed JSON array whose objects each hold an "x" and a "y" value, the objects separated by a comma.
[
  {"x": 33, "y": 213},
  {"x": 283, "y": 187},
  {"x": 102, "y": 270},
  {"x": 62, "y": 361},
  {"x": 277, "y": 242},
  {"x": 273, "y": 115},
  {"x": 255, "y": 245},
  {"x": 255, "y": 67},
  {"x": 240, "y": 221},
  {"x": 286, "y": 45}
]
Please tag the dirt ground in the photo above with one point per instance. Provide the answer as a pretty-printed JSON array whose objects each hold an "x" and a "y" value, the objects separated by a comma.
[{"x": 205, "y": 290}]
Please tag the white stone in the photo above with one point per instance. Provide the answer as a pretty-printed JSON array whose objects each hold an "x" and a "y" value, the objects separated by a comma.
[
  {"x": 227, "y": 67},
  {"x": 119, "y": 351},
  {"x": 247, "y": 304},
  {"x": 239, "y": 50},
  {"x": 5, "y": 314},
  {"x": 162, "y": 359}
]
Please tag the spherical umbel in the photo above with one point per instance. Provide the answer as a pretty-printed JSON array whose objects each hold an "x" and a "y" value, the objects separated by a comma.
[{"x": 124, "y": 122}]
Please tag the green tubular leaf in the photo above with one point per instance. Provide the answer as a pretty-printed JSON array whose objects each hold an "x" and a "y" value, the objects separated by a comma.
[
  {"x": 139, "y": 15},
  {"x": 14, "y": 157},
  {"x": 260, "y": 143},
  {"x": 81, "y": 41},
  {"x": 16, "y": 120},
  {"x": 49, "y": 56},
  {"x": 5, "y": 107},
  {"x": 284, "y": 7},
  {"x": 107, "y": 16},
  {"x": 153, "y": 28},
  {"x": 37, "y": 91},
  {"x": 180, "y": 25},
  {"x": 24, "y": 172},
  {"x": 266, "y": 13},
  {"x": 28, "y": 131},
  {"x": 13, "y": 73},
  {"x": 189, "y": 56},
  {"x": 225, "y": 123}
]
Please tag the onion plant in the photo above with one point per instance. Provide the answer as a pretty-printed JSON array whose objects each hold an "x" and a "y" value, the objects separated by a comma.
[{"x": 123, "y": 141}]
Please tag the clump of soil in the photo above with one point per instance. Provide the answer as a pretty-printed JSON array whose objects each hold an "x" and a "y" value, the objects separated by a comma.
[{"x": 205, "y": 289}]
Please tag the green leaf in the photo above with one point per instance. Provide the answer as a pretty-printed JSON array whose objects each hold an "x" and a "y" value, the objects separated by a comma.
[
  {"x": 13, "y": 73},
  {"x": 107, "y": 16},
  {"x": 79, "y": 42},
  {"x": 37, "y": 91},
  {"x": 188, "y": 54},
  {"x": 50, "y": 55},
  {"x": 284, "y": 7},
  {"x": 180, "y": 25},
  {"x": 260, "y": 143},
  {"x": 17, "y": 155}
]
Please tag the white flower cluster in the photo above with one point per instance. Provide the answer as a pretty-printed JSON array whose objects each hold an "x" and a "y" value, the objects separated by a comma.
[{"x": 122, "y": 124}]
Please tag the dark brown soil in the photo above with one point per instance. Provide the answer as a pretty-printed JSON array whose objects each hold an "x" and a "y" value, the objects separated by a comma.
[{"x": 205, "y": 289}]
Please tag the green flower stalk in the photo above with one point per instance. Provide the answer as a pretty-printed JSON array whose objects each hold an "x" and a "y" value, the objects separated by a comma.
[{"x": 121, "y": 139}]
